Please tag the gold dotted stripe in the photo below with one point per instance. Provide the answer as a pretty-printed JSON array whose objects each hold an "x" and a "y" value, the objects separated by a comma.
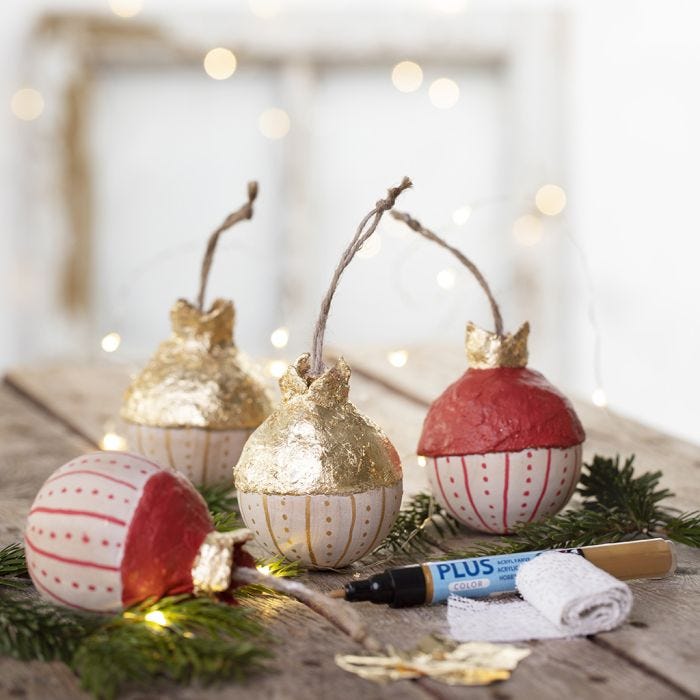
[
  {"x": 207, "y": 437},
  {"x": 352, "y": 530},
  {"x": 381, "y": 520},
  {"x": 308, "y": 531},
  {"x": 269, "y": 524}
]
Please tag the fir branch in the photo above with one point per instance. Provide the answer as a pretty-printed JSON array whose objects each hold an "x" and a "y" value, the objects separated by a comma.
[
  {"x": 414, "y": 526},
  {"x": 200, "y": 640},
  {"x": 220, "y": 498},
  {"x": 13, "y": 566},
  {"x": 31, "y": 628},
  {"x": 225, "y": 522},
  {"x": 683, "y": 528}
]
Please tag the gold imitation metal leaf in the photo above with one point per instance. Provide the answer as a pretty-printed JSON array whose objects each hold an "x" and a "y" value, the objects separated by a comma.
[
  {"x": 316, "y": 441},
  {"x": 487, "y": 350},
  {"x": 197, "y": 377},
  {"x": 473, "y": 663}
]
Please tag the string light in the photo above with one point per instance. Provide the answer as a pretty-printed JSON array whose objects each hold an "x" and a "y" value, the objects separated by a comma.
[
  {"x": 527, "y": 230},
  {"x": 265, "y": 9},
  {"x": 112, "y": 441},
  {"x": 422, "y": 461},
  {"x": 407, "y": 76},
  {"x": 280, "y": 337},
  {"x": 599, "y": 398},
  {"x": 156, "y": 617},
  {"x": 370, "y": 247},
  {"x": 126, "y": 8},
  {"x": 27, "y": 104},
  {"x": 111, "y": 342},
  {"x": 264, "y": 569},
  {"x": 277, "y": 368},
  {"x": 397, "y": 358},
  {"x": 550, "y": 200},
  {"x": 461, "y": 215},
  {"x": 274, "y": 123},
  {"x": 220, "y": 63},
  {"x": 444, "y": 93},
  {"x": 446, "y": 278}
]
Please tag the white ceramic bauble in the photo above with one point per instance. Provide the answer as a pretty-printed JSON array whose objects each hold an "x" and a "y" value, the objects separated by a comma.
[
  {"x": 203, "y": 456},
  {"x": 494, "y": 492},
  {"x": 321, "y": 531}
]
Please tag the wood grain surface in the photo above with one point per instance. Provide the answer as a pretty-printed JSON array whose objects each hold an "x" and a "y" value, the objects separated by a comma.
[{"x": 52, "y": 413}]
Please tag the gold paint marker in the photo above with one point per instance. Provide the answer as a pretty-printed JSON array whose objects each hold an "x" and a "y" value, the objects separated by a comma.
[{"x": 476, "y": 577}]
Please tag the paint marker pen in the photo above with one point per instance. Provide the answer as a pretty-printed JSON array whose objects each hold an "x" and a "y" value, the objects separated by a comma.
[{"x": 434, "y": 582}]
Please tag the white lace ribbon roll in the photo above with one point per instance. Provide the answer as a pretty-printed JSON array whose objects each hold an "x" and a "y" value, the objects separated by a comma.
[{"x": 564, "y": 595}]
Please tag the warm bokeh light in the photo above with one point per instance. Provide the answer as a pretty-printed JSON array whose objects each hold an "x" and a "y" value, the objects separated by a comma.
[
  {"x": 277, "y": 368},
  {"x": 407, "y": 76},
  {"x": 528, "y": 230},
  {"x": 274, "y": 123},
  {"x": 422, "y": 461},
  {"x": 461, "y": 215},
  {"x": 112, "y": 441},
  {"x": 27, "y": 104},
  {"x": 446, "y": 278},
  {"x": 156, "y": 617},
  {"x": 444, "y": 93},
  {"x": 220, "y": 63},
  {"x": 397, "y": 358},
  {"x": 126, "y": 8},
  {"x": 280, "y": 337},
  {"x": 111, "y": 342},
  {"x": 370, "y": 247},
  {"x": 550, "y": 199},
  {"x": 265, "y": 9},
  {"x": 264, "y": 569},
  {"x": 599, "y": 398}
]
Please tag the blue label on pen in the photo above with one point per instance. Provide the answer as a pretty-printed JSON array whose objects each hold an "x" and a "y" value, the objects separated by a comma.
[{"x": 477, "y": 576}]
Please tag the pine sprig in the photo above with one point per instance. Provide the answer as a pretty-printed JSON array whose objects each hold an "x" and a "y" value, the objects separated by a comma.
[
  {"x": 419, "y": 525},
  {"x": 31, "y": 628},
  {"x": 180, "y": 639},
  {"x": 617, "y": 505},
  {"x": 13, "y": 566},
  {"x": 220, "y": 498}
]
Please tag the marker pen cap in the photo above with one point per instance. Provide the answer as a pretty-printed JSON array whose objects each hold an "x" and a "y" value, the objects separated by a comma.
[{"x": 654, "y": 558}]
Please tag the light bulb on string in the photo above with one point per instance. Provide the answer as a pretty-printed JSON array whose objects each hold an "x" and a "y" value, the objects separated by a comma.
[
  {"x": 422, "y": 461},
  {"x": 276, "y": 368},
  {"x": 113, "y": 442},
  {"x": 599, "y": 398},
  {"x": 156, "y": 617},
  {"x": 444, "y": 93},
  {"x": 27, "y": 104},
  {"x": 446, "y": 278},
  {"x": 279, "y": 337},
  {"x": 111, "y": 342},
  {"x": 407, "y": 76},
  {"x": 220, "y": 63},
  {"x": 550, "y": 200},
  {"x": 274, "y": 123},
  {"x": 461, "y": 215},
  {"x": 397, "y": 358}
]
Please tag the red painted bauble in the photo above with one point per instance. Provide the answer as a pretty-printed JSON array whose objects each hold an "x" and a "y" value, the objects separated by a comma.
[
  {"x": 111, "y": 529},
  {"x": 504, "y": 446}
]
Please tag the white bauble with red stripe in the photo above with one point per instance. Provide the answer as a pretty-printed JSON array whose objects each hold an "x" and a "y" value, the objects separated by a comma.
[
  {"x": 111, "y": 529},
  {"x": 493, "y": 492},
  {"x": 502, "y": 445}
]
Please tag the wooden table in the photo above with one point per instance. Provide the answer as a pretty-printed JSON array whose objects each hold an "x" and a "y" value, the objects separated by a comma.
[{"x": 50, "y": 414}]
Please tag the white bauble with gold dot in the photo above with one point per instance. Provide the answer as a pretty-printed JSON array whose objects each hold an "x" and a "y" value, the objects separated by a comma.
[{"x": 318, "y": 482}]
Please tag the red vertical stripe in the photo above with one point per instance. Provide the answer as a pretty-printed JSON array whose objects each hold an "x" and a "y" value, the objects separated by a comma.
[
  {"x": 505, "y": 492},
  {"x": 469, "y": 495},
  {"x": 442, "y": 490},
  {"x": 544, "y": 487},
  {"x": 574, "y": 474}
]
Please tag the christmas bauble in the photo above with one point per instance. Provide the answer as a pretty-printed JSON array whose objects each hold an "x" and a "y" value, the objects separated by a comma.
[
  {"x": 504, "y": 446},
  {"x": 198, "y": 399},
  {"x": 111, "y": 529},
  {"x": 318, "y": 482}
]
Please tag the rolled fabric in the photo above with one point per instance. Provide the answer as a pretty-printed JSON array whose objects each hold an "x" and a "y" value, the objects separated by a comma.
[{"x": 564, "y": 595}]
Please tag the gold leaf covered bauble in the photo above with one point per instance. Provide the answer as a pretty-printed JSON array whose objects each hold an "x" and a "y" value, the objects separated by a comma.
[
  {"x": 197, "y": 400},
  {"x": 318, "y": 482}
]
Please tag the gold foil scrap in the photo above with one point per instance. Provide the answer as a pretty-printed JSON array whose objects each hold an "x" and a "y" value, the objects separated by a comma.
[
  {"x": 197, "y": 377},
  {"x": 472, "y": 663},
  {"x": 212, "y": 568},
  {"x": 316, "y": 441},
  {"x": 487, "y": 350}
]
